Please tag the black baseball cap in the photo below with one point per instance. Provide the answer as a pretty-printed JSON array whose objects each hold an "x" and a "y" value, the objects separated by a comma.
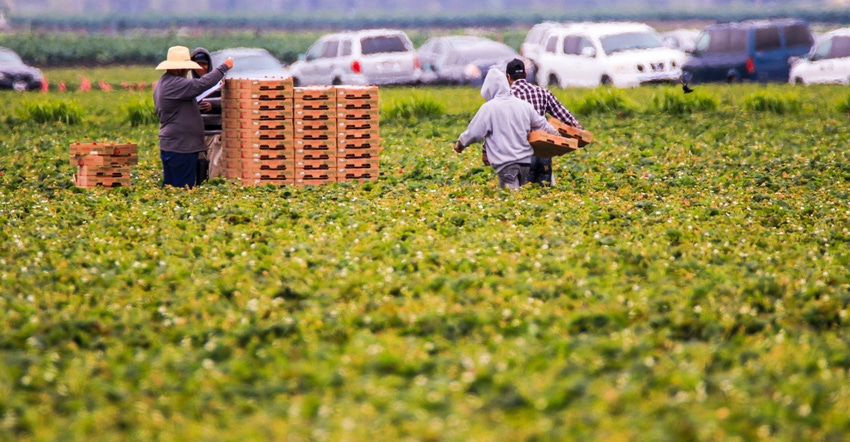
[{"x": 515, "y": 66}]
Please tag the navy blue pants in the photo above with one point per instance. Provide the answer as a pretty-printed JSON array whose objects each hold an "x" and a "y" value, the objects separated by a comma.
[
  {"x": 541, "y": 171},
  {"x": 179, "y": 169}
]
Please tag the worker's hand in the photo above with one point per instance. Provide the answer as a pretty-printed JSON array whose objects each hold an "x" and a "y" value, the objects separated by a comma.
[
  {"x": 229, "y": 62},
  {"x": 458, "y": 148},
  {"x": 484, "y": 159},
  {"x": 205, "y": 106}
]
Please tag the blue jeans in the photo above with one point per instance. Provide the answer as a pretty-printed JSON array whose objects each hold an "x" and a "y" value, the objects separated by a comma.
[
  {"x": 513, "y": 176},
  {"x": 541, "y": 171},
  {"x": 179, "y": 169}
]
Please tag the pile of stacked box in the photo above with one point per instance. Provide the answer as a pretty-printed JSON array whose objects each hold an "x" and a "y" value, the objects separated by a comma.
[
  {"x": 274, "y": 133},
  {"x": 103, "y": 164}
]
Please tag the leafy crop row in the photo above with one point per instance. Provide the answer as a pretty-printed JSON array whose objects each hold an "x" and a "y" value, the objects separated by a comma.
[{"x": 685, "y": 279}]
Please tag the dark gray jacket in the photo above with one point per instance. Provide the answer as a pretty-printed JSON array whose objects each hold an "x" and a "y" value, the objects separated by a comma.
[{"x": 181, "y": 127}]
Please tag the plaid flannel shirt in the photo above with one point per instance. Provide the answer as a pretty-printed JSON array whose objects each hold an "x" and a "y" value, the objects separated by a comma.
[{"x": 543, "y": 101}]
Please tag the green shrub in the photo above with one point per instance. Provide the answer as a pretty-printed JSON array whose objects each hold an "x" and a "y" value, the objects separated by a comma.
[
  {"x": 51, "y": 111},
  {"x": 415, "y": 107},
  {"x": 773, "y": 101},
  {"x": 140, "y": 112},
  {"x": 606, "y": 100},
  {"x": 678, "y": 103}
]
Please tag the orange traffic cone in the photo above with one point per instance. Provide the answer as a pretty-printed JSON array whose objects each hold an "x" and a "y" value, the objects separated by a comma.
[{"x": 85, "y": 85}]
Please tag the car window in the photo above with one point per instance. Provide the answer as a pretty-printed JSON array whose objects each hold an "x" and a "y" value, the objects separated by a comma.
[
  {"x": 381, "y": 44},
  {"x": 251, "y": 63},
  {"x": 331, "y": 49},
  {"x": 571, "y": 44},
  {"x": 822, "y": 50},
  {"x": 797, "y": 35},
  {"x": 552, "y": 44},
  {"x": 840, "y": 47},
  {"x": 345, "y": 51},
  {"x": 723, "y": 41},
  {"x": 584, "y": 44},
  {"x": 316, "y": 51},
  {"x": 630, "y": 40},
  {"x": 767, "y": 39}
]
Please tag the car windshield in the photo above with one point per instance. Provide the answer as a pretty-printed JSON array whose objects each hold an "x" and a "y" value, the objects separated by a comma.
[
  {"x": 486, "y": 52},
  {"x": 380, "y": 44},
  {"x": 840, "y": 47},
  {"x": 629, "y": 41},
  {"x": 9, "y": 57}
]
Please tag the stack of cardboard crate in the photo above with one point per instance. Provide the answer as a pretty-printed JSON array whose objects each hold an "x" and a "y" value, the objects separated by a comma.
[
  {"x": 257, "y": 131},
  {"x": 103, "y": 164},
  {"x": 546, "y": 145},
  {"x": 315, "y": 135},
  {"x": 358, "y": 133},
  {"x": 275, "y": 133}
]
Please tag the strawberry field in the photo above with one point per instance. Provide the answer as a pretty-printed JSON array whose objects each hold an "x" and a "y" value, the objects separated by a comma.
[{"x": 685, "y": 279}]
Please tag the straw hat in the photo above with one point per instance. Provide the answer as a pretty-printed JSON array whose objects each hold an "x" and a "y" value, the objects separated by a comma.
[{"x": 178, "y": 58}]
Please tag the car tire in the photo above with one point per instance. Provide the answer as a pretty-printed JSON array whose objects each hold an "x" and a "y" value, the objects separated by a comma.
[
  {"x": 606, "y": 81},
  {"x": 336, "y": 82},
  {"x": 733, "y": 78},
  {"x": 553, "y": 81},
  {"x": 296, "y": 82},
  {"x": 799, "y": 81}
]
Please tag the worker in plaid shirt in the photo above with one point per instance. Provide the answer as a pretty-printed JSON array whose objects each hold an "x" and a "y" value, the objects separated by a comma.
[{"x": 544, "y": 102}]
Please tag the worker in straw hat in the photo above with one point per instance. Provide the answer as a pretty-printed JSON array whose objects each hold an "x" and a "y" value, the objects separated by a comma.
[{"x": 181, "y": 132}]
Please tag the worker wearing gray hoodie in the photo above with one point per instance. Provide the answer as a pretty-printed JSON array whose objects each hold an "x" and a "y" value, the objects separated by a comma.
[{"x": 503, "y": 122}]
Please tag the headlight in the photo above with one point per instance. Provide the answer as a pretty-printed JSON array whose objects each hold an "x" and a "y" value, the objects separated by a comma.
[{"x": 472, "y": 72}]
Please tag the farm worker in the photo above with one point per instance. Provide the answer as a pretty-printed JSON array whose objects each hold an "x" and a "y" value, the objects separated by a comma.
[
  {"x": 544, "y": 102},
  {"x": 503, "y": 122},
  {"x": 181, "y": 132},
  {"x": 210, "y": 162}
]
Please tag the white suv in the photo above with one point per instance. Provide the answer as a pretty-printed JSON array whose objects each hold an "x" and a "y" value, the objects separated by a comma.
[
  {"x": 374, "y": 56},
  {"x": 616, "y": 54}
]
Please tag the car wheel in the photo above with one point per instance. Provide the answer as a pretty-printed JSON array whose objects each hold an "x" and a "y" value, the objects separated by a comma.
[
  {"x": 733, "y": 78},
  {"x": 296, "y": 82},
  {"x": 553, "y": 81},
  {"x": 336, "y": 82},
  {"x": 606, "y": 81},
  {"x": 799, "y": 81}
]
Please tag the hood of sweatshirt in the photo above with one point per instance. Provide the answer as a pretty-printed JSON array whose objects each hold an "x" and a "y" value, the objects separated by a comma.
[
  {"x": 495, "y": 85},
  {"x": 201, "y": 53}
]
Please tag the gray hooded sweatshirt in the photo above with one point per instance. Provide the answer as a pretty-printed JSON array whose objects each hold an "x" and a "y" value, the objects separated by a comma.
[{"x": 504, "y": 122}]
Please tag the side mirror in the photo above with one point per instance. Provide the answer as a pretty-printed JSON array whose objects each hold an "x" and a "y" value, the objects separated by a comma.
[{"x": 588, "y": 51}]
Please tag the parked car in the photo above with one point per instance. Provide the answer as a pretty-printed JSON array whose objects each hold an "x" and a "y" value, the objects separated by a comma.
[
  {"x": 828, "y": 61},
  {"x": 250, "y": 63},
  {"x": 463, "y": 59},
  {"x": 373, "y": 56},
  {"x": 616, "y": 54},
  {"x": 747, "y": 51},
  {"x": 682, "y": 39},
  {"x": 535, "y": 40},
  {"x": 15, "y": 74}
]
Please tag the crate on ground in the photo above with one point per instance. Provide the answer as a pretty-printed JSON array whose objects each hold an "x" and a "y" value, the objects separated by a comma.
[
  {"x": 249, "y": 114},
  {"x": 345, "y": 146},
  {"x": 359, "y": 176},
  {"x": 356, "y": 93},
  {"x": 584, "y": 137},
  {"x": 316, "y": 176},
  {"x": 546, "y": 145},
  {"x": 259, "y": 84},
  {"x": 307, "y": 146},
  {"x": 103, "y": 164}
]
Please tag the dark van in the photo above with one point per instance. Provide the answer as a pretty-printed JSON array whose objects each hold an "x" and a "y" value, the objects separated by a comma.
[{"x": 747, "y": 51}]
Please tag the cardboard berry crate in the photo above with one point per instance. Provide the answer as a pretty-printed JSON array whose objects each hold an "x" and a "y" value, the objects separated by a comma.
[
  {"x": 584, "y": 137},
  {"x": 358, "y": 115},
  {"x": 105, "y": 160},
  {"x": 238, "y": 143},
  {"x": 260, "y": 95},
  {"x": 546, "y": 145},
  {"x": 239, "y": 114},
  {"x": 359, "y": 176},
  {"x": 259, "y": 84},
  {"x": 259, "y": 155},
  {"x": 281, "y": 163},
  {"x": 259, "y": 124},
  {"x": 315, "y": 93},
  {"x": 267, "y": 106},
  {"x": 347, "y": 125},
  {"x": 315, "y": 177},
  {"x": 356, "y": 93},
  {"x": 317, "y": 164},
  {"x": 307, "y": 134},
  {"x": 90, "y": 181},
  {"x": 348, "y": 105},
  {"x": 315, "y": 146},
  {"x": 364, "y": 154},
  {"x": 314, "y": 125},
  {"x": 80, "y": 149},
  {"x": 360, "y": 134},
  {"x": 358, "y": 163},
  {"x": 108, "y": 172},
  {"x": 313, "y": 106},
  {"x": 344, "y": 145},
  {"x": 268, "y": 175},
  {"x": 314, "y": 115}
]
